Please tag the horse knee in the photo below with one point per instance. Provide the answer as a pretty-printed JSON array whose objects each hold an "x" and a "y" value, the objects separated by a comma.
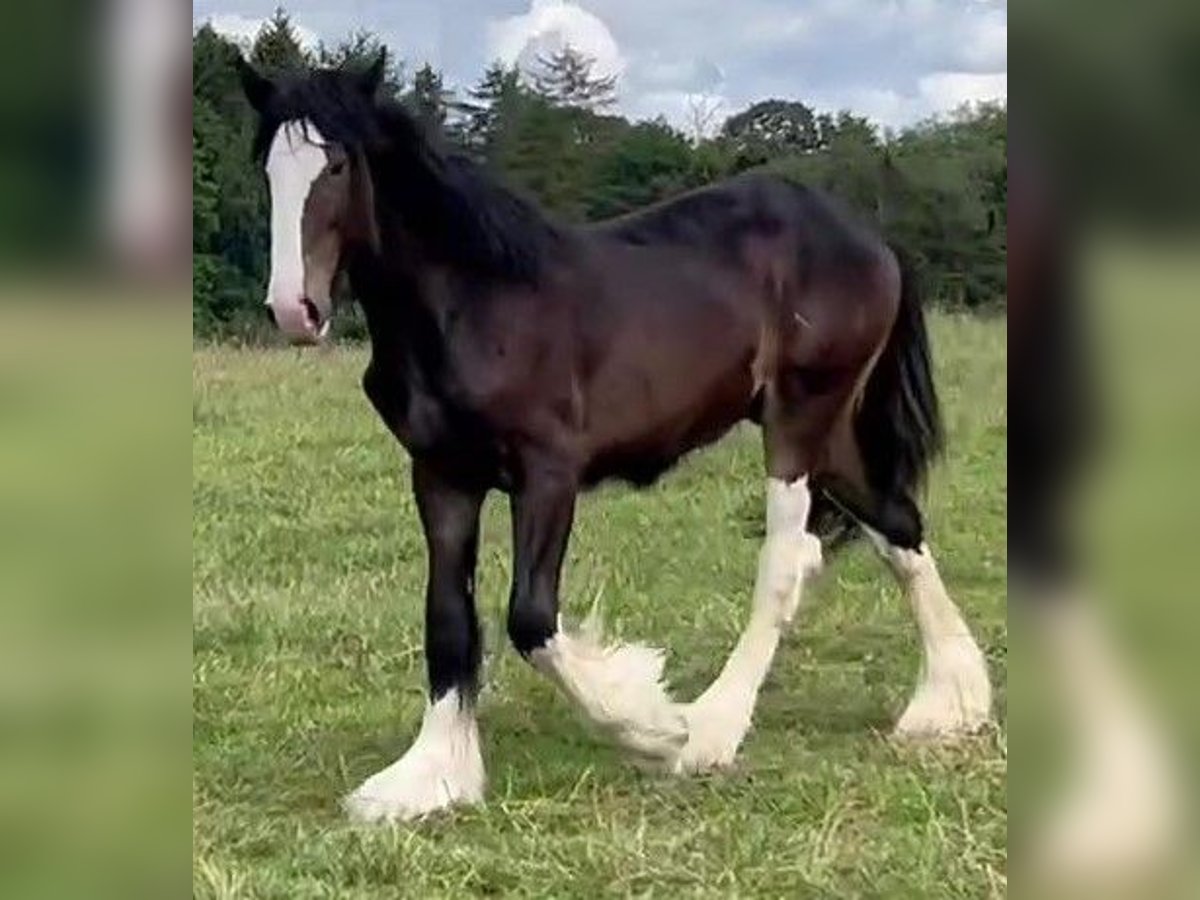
[{"x": 530, "y": 624}]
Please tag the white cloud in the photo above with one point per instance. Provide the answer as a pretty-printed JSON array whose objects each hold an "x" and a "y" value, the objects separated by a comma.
[
  {"x": 984, "y": 46},
  {"x": 656, "y": 74},
  {"x": 548, "y": 26},
  {"x": 936, "y": 94},
  {"x": 949, "y": 90},
  {"x": 244, "y": 29},
  {"x": 773, "y": 28}
]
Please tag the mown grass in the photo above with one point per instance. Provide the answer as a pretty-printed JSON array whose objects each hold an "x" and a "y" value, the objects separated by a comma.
[{"x": 308, "y": 671}]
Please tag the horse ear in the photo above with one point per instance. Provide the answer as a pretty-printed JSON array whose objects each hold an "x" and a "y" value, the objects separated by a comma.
[
  {"x": 259, "y": 89},
  {"x": 370, "y": 80}
]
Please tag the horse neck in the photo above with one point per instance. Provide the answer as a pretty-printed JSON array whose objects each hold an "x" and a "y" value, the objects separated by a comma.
[
  {"x": 392, "y": 290},
  {"x": 448, "y": 215},
  {"x": 411, "y": 281}
]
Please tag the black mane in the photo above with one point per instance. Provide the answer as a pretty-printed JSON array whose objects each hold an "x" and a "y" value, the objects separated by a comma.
[{"x": 458, "y": 213}]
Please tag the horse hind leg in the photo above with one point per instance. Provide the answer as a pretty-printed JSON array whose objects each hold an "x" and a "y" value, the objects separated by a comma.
[{"x": 953, "y": 695}]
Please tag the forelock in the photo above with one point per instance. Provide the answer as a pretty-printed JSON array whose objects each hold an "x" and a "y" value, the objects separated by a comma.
[{"x": 326, "y": 97}]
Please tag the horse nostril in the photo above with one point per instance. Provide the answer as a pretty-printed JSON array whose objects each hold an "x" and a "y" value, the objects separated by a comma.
[
  {"x": 271, "y": 315},
  {"x": 313, "y": 313}
]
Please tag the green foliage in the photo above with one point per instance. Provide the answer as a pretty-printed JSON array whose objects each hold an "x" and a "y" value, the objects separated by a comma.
[
  {"x": 483, "y": 115},
  {"x": 771, "y": 128},
  {"x": 277, "y": 47},
  {"x": 358, "y": 52},
  {"x": 948, "y": 208},
  {"x": 428, "y": 99},
  {"x": 938, "y": 190},
  {"x": 646, "y": 163},
  {"x": 849, "y": 164},
  {"x": 206, "y": 220},
  {"x": 541, "y": 149},
  {"x": 230, "y": 211}
]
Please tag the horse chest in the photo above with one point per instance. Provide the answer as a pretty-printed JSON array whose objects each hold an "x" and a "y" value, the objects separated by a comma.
[{"x": 431, "y": 425}]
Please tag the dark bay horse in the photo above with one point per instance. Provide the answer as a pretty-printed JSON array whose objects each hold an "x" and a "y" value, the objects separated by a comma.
[{"x": 513, "y": 353}]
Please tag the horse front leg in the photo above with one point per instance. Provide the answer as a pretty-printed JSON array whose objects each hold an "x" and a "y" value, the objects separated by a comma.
[
  {"x": 443, "y": 767},
  {"x": 618, "y": 687}
]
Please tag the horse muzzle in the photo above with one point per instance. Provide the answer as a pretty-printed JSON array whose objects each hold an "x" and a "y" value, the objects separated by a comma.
[{"x": 302, "y": 320}]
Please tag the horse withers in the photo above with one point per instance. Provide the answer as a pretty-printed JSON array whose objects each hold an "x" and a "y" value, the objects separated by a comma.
[{"x": 514, "y": 353}]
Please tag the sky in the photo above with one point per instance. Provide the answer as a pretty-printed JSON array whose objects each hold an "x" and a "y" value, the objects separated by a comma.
[{"x": 894, "y": 61}]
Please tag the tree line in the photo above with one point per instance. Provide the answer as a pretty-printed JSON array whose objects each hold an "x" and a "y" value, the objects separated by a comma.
[{"x": 938, "y": 190}]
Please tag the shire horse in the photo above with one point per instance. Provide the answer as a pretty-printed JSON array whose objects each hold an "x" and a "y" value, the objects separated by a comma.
[{"x": 514, "y": 353}]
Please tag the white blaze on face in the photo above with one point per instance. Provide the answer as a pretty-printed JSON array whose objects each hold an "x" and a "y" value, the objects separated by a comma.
[{"x": 294, "y": 162}]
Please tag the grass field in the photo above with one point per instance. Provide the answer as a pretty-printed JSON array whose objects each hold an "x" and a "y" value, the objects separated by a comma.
[{"x": 308, "y": 672}]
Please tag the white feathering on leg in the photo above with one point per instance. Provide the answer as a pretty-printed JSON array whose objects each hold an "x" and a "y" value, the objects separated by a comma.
[
  {"x": 619, "y": 687},
  {"x": 442, "y": 768},
  {"x": 954, "y": 694}
]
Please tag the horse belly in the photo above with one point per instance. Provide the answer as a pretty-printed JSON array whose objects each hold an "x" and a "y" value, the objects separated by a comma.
[{"x": 645, "y": 431}]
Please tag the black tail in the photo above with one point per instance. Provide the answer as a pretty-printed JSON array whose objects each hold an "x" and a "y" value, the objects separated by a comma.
[
  {"x": 899, "y": 423},
  {"x": 898, "y": 426}
]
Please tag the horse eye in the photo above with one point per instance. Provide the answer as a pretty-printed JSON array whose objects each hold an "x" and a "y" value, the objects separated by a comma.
[{"x": 337, "y": 168}]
